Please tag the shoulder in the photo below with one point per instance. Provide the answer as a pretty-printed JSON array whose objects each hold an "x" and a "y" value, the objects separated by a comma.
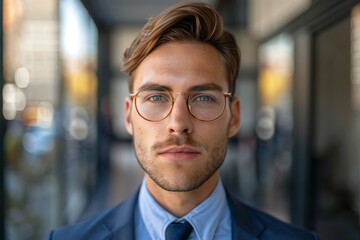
[
  {"x": 102, "y": 225},
  {"x": 278, "y": 229},
  {"x": 260, "y": 224}
]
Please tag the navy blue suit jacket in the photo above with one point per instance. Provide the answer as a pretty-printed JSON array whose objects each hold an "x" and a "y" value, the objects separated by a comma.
[{"x": 118, "y": 223}]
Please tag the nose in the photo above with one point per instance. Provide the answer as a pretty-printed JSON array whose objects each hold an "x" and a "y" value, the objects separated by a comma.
[{"x": 180, "y": 119}]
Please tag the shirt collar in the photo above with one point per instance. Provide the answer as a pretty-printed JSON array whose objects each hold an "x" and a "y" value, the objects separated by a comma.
[{"x": 204, "y": 218}]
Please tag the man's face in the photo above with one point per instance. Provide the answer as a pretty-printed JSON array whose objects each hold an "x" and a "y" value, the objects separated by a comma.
[{"x": 180, "y": 152}]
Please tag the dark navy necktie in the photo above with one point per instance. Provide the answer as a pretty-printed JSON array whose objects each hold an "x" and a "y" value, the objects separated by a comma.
[{"x": 178, "y": 231}]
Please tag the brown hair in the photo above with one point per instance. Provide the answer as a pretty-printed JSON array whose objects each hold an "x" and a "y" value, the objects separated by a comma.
[{"x": 190, "y": 22}]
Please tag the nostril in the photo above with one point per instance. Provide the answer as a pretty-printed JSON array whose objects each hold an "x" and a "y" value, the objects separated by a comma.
[
  {"x": 176, "y": 132},
  {"x": 186, "y": 130}
]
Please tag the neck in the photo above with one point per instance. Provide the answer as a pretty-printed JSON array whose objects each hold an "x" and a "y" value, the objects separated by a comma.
[{"x": 181, "y": 203}]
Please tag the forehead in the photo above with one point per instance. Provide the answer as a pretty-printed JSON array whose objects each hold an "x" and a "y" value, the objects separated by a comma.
[{"x": 181, "y": 65}]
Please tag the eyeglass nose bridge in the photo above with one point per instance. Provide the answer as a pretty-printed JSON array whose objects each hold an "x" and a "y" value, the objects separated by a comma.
[
  {"x": 186, "y": 98},
  {"x": 186, "y": 95}
]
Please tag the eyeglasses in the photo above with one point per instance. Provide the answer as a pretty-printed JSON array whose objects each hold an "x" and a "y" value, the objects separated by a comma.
[{"x": 156, "y": 104}]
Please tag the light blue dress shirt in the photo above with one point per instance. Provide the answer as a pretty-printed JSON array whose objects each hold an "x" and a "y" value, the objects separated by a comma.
[{"x": 211, "y": 219}]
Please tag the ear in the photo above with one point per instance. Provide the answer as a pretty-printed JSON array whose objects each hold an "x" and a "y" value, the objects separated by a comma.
[
  {"x": 128, "y": 121},
  {"x": 235, "y": 120}
]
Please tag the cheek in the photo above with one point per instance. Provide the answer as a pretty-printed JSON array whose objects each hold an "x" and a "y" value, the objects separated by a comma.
[
  {"x": 138, "y": 132},
  {"x": 145, "y": 133}
]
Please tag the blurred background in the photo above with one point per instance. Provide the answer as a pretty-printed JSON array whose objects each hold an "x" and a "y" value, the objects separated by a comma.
[{"x": 64, "y": 150}]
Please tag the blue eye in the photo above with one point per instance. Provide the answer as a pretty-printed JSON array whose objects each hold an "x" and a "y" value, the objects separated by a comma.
[
  {"x": 204, "y": 99},
  {"x": 156, "y": 98}
]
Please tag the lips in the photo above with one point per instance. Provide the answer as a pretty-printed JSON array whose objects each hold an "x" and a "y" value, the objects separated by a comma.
[{"x": 180, "y": 153}]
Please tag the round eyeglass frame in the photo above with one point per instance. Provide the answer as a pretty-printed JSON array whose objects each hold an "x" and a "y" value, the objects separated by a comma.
[{"x": 225, "y": 94}]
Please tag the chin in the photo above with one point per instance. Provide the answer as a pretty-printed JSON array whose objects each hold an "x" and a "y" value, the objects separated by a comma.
[{"x": 180, "y": 183}]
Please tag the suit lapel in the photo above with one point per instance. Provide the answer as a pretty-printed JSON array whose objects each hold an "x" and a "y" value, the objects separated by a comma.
[
  {"x": 122, "y": 224},
  {"x": 245, "y": 224},
  {"x": 124, "y": 232}
]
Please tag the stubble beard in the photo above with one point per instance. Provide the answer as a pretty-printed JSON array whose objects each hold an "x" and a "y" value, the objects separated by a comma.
[{"x": 181, "y": 182}]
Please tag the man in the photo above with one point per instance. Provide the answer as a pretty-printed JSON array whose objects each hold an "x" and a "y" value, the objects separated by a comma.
[{"x": 182, "y": 69}]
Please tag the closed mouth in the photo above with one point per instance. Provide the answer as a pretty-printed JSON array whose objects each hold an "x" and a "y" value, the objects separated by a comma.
[{"x": 180, "y": 152}]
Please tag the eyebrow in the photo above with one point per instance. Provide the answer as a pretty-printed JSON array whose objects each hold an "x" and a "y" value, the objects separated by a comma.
[
  {"x": 200, "y": 87},
  {"x": 207, "y": 86},
  {"x": 154, "y": 86}
]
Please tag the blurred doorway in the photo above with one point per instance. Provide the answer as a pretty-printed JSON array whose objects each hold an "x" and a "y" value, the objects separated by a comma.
[{"x": 335, "y": 130}]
